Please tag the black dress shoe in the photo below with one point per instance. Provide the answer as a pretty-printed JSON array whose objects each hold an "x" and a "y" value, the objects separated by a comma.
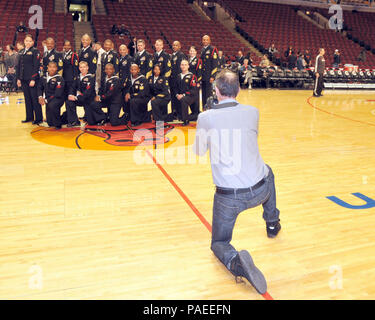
[
  {"x": 193, "y": 117},
  {"x": 242, "y": 265},
  {"x": 37, "y": 122},
  {"x": 74, "y": 124},
  {"x": 58, "y": 127},
  {"x": 185, "y": 123},
  {"x": 25, "y": 121},
  {"x": 169, "y": 118}
]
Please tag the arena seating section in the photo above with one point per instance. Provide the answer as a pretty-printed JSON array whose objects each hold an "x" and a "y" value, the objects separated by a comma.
[
  {"x": 361, "y": 26},
  {"x": 175, "y": 18},
  {"x": 347, "y": 2},
  {"x": 280, "y": 24},
  {"x": 358, "y": 26},
  {"x": 56, "y": 25}
]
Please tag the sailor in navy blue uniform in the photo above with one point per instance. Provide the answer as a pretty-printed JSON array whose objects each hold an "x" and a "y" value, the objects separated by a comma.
[
  {"x": 159, "y": 89},
  {"x": 109, "y": 56},
  {"x": 195, "y": 67},
  {"x": 88, "y": 54},
  {"x": 51, "y": 54},
  {"x": 125, "y": 61},
  {"x": 143, "y": 59},
  {"x": 27, "y": 78},
  {"x": 209, "y": 59},
  {"x": 110, "y": 97},
  {"x": 137, "y": 96},
  {"x": 51, "y": 94},
  {"x": 70, "y": 66},
  {"x": 163, "y": 59},
  {"x": 177, "y": 57},
  {"x": 186, "y": 90},
  {"x": 81, "y": 93}
]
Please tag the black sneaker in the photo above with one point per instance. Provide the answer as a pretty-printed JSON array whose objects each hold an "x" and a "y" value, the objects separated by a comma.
[
  {"x": 273, "y": 228},
  {"x": 243, "y": 266}
]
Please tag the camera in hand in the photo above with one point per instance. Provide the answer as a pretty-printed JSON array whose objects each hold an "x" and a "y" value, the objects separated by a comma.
[{"x": 211, "y": 101}]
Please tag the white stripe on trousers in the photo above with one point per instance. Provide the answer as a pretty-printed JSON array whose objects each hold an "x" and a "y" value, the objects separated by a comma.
[{"x": 316, "y": 84}]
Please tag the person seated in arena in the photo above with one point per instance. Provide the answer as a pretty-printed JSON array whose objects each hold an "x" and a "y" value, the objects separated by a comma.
[
  {"x": 123, "y": 31},
  {"x": 272, "y": 51},
  {"x": 288, "y": 52},
  {"x": 51, "y": 94},
  {"x": 81, "y": 93},
  {"x": 21, "y": 28},
  {"x": 137, "y": 96},
  {"x": 159, "y": 89},
  {"x": 307, "y": 57},
  {"x": 110, "y": 97},
  {"x": 132, "y": 46},
  {"x": 2, "y": 64},
  {"x": 301, "y": 63},
  {"x": 264, "y": 74},
  {"x": 336, "y": 59},
  {"x": 221, "y": 63},
  {"x": 292, "y": 60},
  {"x": 240, "y": 58},
  {"x": 186, "y": 91},
  {"x": 264, "y": 63},
  {"x": 114, "y": 29},
  {"x": 245, "y": 75},
  {"x": 10, "y": 60}
]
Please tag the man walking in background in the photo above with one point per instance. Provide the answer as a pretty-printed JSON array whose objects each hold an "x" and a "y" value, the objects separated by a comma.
[{"x": 320, "y": 66}]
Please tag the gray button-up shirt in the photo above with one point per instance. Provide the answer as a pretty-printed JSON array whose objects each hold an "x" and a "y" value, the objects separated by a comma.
[{"x": 231, "y": 135}]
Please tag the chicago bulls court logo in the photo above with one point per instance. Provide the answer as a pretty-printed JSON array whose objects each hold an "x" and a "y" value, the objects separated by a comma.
[{"x": 108, "y": 137}]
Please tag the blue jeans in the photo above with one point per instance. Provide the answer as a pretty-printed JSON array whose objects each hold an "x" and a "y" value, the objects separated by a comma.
[{"x": 227, "y": 208}]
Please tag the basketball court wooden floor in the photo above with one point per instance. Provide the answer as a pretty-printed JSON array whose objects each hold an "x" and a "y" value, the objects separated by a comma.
[{"x": 110, "y": 223}]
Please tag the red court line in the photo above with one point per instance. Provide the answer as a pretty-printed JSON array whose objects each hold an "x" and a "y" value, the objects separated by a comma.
[
  {"x": 182, "y": 194},
  {"x": 266, "y": 296},
  {"x": 337, "y": 115}
]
